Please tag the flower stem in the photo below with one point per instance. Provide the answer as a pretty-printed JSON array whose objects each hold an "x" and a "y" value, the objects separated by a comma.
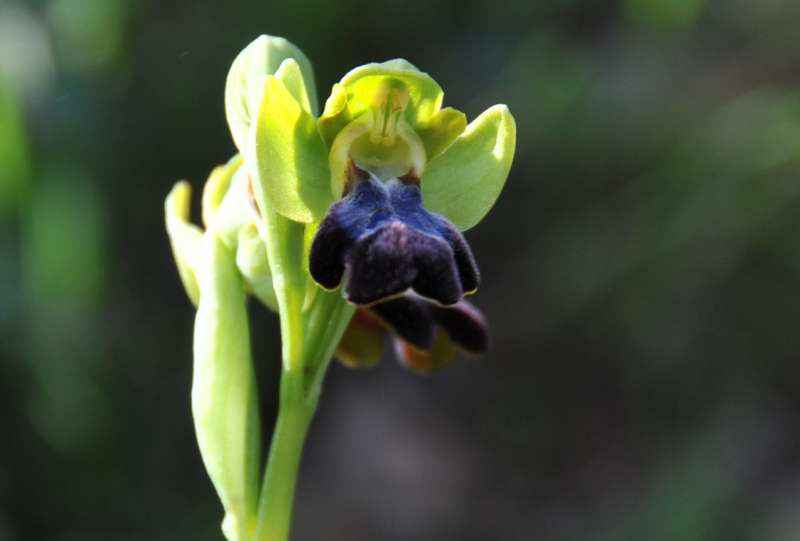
[
  {"x": 284, "y": 240},
  {"x": 300, "y": 391},
  {"x": 277, "y": 494},
  {"x": 339, "y": 316}
]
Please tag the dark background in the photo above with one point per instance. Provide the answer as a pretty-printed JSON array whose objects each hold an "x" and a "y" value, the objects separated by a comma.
[{"x": 641, "y": 272}]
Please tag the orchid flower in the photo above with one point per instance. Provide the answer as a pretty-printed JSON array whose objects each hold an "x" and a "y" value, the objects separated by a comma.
[{"x": 349, "y": 225}]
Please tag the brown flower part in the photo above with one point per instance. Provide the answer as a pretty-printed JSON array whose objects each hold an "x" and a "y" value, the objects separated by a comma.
[{"x": 426, "y": 336}]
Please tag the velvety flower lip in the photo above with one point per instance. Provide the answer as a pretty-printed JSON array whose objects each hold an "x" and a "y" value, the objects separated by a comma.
[
  {"x": 381, "y": 233},
  {"x": 410, "y": 319},
  {"x": 426, "y": 336},
  {"x": 414, "y": 320},
  {"x": 457, "y": 328}
]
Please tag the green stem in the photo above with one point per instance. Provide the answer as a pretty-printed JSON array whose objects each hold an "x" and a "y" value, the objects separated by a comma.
[
  {"x": 321, "y": 320},
  {"x": 277, "y": 494},
  {"x": 300, "y": 391},
  {"x": 284, "y": 241},
  {"x": 290, "y": 303},
  {"x": 339, "y": 317}
]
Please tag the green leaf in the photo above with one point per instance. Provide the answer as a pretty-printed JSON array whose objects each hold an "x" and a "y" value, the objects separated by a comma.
[
  {"x": 464, "y": 181},
  {"x": 185, "y": 238},
  {"x": 246, "y": 78},
  {"x": 224, "y": 396},
  {"x": 365, "y": 82},
  {"x": 291, "y": 160},
  {"x": 14, "y": 158},
  {"x": 441, "y": 130}
]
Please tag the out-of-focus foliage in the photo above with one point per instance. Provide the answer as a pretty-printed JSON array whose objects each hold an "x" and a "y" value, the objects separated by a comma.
[
  {"x": 13, "y": 152},
  {"x": 639, "y": 274}
]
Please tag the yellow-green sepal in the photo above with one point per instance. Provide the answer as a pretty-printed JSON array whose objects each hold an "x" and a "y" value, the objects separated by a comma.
[
  {"x": 364, "y": 83},
  {"x": 463, "y": 182},
  {"x": 245, "y": 79},
  {"x": 290, "y": 155},
  {"x": 185, "y": 238}
]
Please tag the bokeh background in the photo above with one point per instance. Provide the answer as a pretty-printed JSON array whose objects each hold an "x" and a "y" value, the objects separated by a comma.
[{"x": 641, "y": 273}]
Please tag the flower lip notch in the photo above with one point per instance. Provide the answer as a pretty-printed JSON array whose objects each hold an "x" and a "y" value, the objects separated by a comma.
[{"x": 387, "y": 242}]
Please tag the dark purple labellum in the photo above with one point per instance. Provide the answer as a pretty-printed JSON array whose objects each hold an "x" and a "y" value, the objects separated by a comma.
[{"x": 383, "y": 235}]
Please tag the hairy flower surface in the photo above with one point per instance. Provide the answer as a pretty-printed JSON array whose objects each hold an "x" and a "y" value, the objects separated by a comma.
[{"x": 390, "y": 243}]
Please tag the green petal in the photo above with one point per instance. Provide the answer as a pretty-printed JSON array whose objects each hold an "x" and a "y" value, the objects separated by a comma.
[
  {"x": 224, "y": 396},
  {"x": 291, "y": 159},
  {"x": 339, "y": 155},
  {"x": 441, "y": 130},
  {"x": 364, "y": 82},
  {"x": 185, "y": 238},
  {"x": 464, "y": 182},
  {"x": 245, "y": 81}
]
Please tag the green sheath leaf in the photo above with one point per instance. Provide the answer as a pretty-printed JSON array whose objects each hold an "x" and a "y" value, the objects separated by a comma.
[{"x": 224, "y": 397}]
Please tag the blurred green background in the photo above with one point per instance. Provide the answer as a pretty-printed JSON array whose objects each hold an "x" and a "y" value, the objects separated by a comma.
[{"x": 640, "y": 274}]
